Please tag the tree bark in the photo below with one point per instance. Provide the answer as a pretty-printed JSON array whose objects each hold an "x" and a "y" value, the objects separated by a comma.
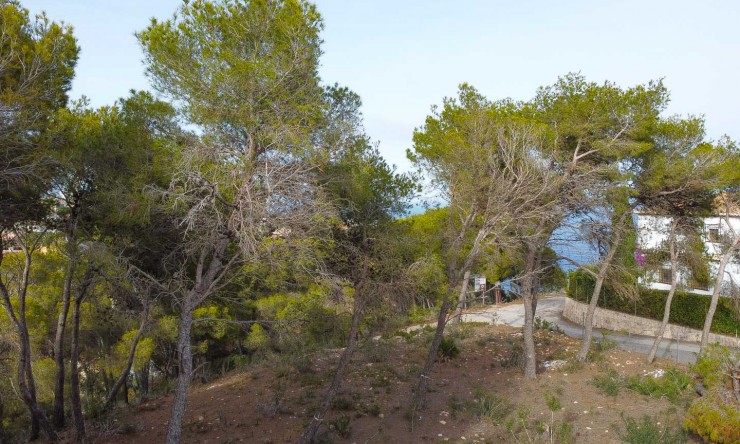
[
  {"x": 671, "y": 292},
  {"x": 588, "y": 324},
  {"x": 357, "y": 309},
  {"x": 423, "y": 382},
  {"x": 715, "y": 294},
  {"x": 529, "y": 295},
  {"x": 461, "y": 297},
  {"x": 111, "y": 398},
  {"x": 185, "y": 362},
  {"x": 59, "y": 345},
  {"x": 26, "y": 383},
  {"x": 74, "y": 374}
]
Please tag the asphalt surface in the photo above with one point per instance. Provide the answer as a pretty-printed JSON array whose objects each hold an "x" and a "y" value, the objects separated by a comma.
[{"x": 551, "y": 309}]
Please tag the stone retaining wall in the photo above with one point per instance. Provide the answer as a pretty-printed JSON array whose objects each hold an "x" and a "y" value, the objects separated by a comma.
[{"x": 575, "y": 311}]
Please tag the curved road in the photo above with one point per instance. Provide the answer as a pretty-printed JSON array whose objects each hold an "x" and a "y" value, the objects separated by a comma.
[{"x": 551, "y": 309}]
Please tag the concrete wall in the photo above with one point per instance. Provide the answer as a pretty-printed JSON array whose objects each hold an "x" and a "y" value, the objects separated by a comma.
[{"x": 613, "y": 320}]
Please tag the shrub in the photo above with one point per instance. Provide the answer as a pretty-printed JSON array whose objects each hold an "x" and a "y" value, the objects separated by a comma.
[
  {"x": 341, "y": 426},
  {"x": 714, "y": 420},
  {"x": 447, "y": 349},
  {"x": 686, "y": 309},
  {"x": 713, "y": 365}
]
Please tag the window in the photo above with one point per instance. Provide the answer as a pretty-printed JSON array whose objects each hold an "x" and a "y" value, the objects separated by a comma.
[
  {"x": 713, "y": 234},
  {"x": 666, "y": 275}
]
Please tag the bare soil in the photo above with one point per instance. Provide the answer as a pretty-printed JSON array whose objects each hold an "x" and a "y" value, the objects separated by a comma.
[{"x": 273, "y": 401}]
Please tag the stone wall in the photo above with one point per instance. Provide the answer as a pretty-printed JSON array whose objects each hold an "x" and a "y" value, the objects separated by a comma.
[{"x": 613, "y": 320}]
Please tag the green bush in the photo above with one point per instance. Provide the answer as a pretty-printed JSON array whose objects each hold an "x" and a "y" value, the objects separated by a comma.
[
  {"x": 447, "y": 349},
  {"x": 714, "y": 364},
  {"x": 686, "y": 309},
  {"x": 489, "y": 406},
  {"x": 714, "y": 420}
]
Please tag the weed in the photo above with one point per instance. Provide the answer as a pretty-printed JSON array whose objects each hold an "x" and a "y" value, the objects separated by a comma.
[
  {"x": 377, "y": 351},
  {"x": 342, "y": 404},
  {"x": 341, "y": 426},
  {"x": 516, "y": 357},
  {"x": 672, "y": 385},
  {"x": 553, "y": 402},
  {"x": 544, "y": 324},
  {"x": 648, "y": 432},
  {"x": 609, "y": 384},
  {"x": 489, "y": 406}
]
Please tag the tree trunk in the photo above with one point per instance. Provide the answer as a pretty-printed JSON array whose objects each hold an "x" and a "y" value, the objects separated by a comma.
[
  {"x": 715, "y": 294},
  {"x": 26, "y": 383},
  {"x": 588, "y": 324},
  {"x": 185, "y": 362},
  {"x": 336, "y": 383},
  {"x": 74, "y": 374},
  {"x": 461, "y": 297},
  {"x": 111, "y": 398},
  {"x": 529, "y": 295},
  {"x": 59, "y": 345},
  {"x": 671, "y": 292},
  {"x": 423, "y": 382}
]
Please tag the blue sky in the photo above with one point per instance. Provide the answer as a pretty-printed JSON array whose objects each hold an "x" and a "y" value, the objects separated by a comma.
[{"x": 404, "y": 56}]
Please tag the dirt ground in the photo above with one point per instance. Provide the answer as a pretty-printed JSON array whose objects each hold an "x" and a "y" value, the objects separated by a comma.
[{"x": 272, "y": 402}]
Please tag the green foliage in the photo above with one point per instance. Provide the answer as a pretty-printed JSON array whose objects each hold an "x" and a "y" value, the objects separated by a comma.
[
  {"x": 256, "y": 340},
  {"x": 714, "y": 364},
  {"x": 687, "y": 309},
  {"x": 447, "y": 348},
  {"x": 341, "y": 426},
  {"x": 714, "y": 419},
  {"x": 609, "y": 383},
  {"x": 673, "y": 384},
  {"x": 648, "y": 432}
]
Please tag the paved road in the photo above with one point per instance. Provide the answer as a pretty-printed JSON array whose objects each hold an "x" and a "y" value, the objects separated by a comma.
[{"x": 551, "y": 309}]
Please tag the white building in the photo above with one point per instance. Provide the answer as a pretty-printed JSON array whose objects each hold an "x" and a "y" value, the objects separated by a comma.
[{"x": 653, "y": 231}]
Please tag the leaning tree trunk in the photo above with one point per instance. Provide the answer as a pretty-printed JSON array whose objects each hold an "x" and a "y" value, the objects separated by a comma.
[
  {"x": 59, "y": 346},
  {"x": 358, "y": 307},
  {"x": 423, "y": 382},
  {"x": 25, "y": 380},
  {"x": 671, "y": 292},
  {"x": 715, "y": 294},
  {"x": 588, "y": 324},
  {"x": 185, "y": 361},
  {"x": 461, "y": 297},
  {"x": 530, "y": 304},
  {"x": 110, "y": 399}
]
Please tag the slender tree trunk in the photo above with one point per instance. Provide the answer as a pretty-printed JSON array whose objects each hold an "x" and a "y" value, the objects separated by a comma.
[
  {"x": 715, "y": 294},
  {"x": 423, "y": 382},
  {"x": 671, "y": 292},
  {"x": 529, "y": 295},
  {"x": 461, "y": 297},
  {"x": 74, "y": 374},
  {"x": 26, "y": 383},
  {"x": 111, "y": 398},
  {"x": 588, "y": 325},
  {"x": 358, "y": 307},
  {"x": 59, "y": 345},
  {"x": 185, "y": 361}
]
